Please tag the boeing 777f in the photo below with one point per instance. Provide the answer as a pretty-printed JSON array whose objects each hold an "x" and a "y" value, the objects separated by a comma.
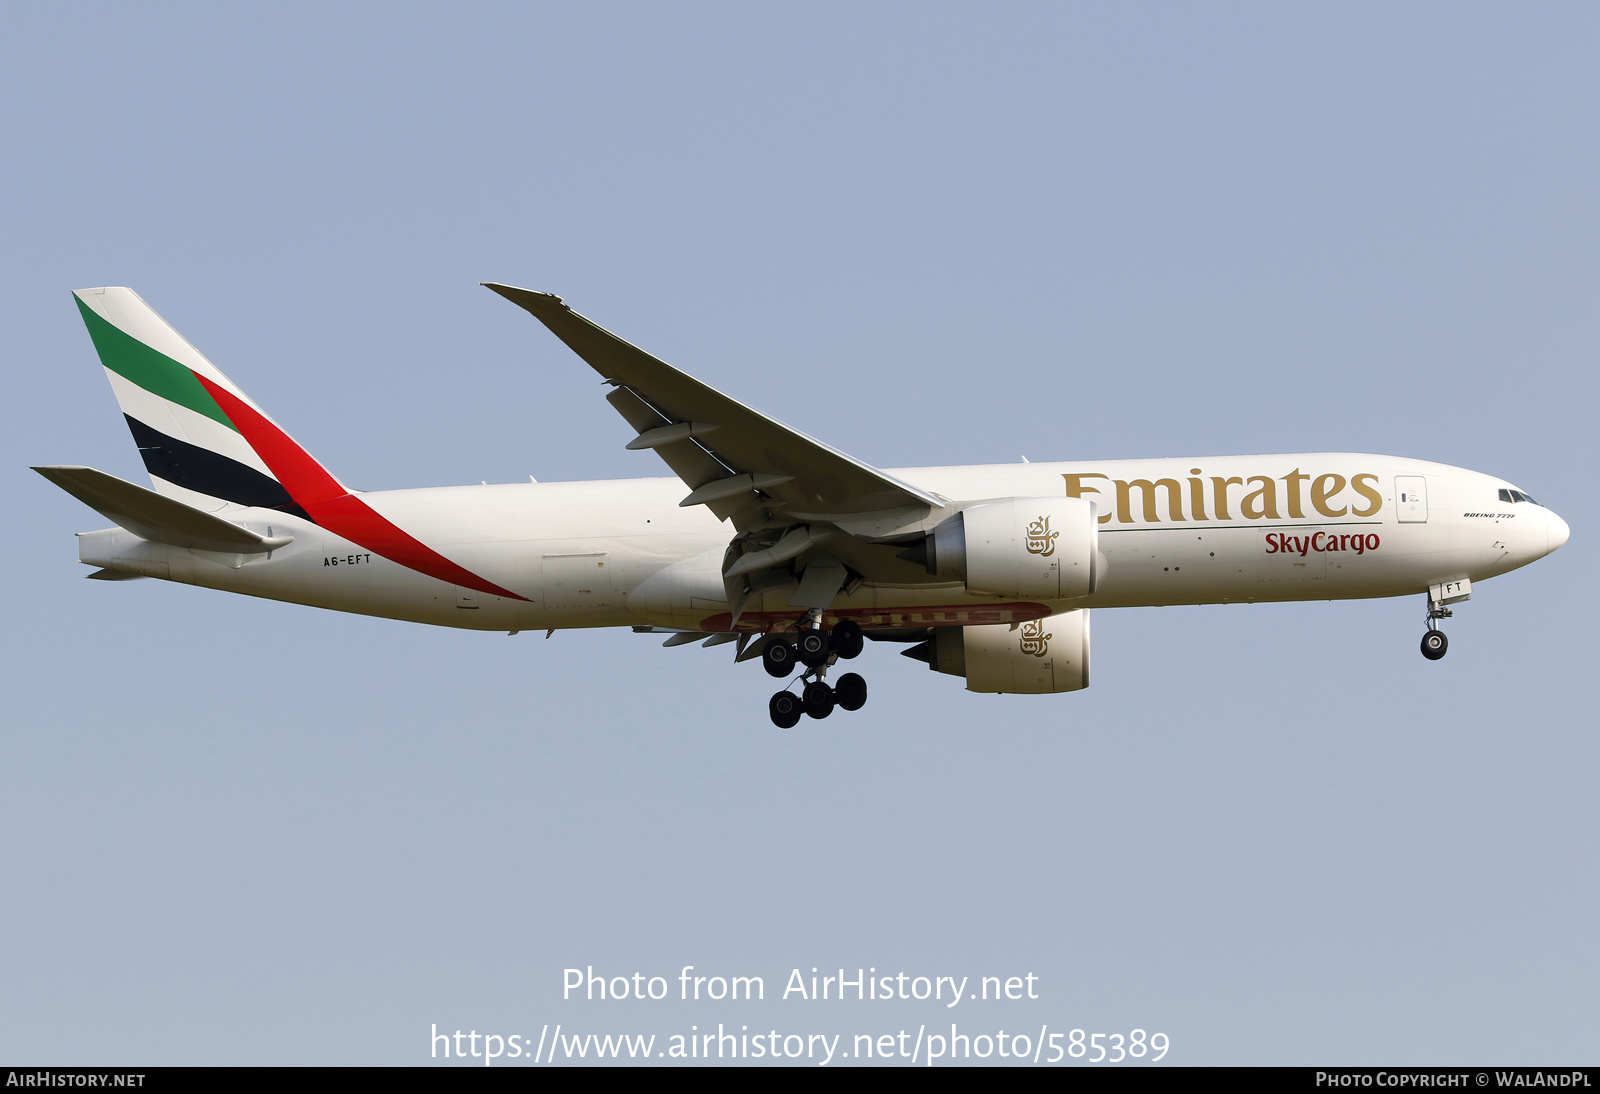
[{"x": 768, "y": 539}]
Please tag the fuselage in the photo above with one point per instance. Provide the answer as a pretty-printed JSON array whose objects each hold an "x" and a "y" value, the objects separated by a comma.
[{"x": 1316, "y": 526}]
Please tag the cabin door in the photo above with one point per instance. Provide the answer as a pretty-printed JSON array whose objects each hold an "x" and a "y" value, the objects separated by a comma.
[
  {"x": 576, "y": 581},
  {"x": 1411, "y": 498}
]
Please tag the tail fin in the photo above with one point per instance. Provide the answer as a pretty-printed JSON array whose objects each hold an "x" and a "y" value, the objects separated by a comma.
[
  {"x": 202, "y": 439},
  {"x": 207, "y": 445}
]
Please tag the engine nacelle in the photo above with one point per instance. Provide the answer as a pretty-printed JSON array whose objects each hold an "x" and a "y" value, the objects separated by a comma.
[
  {"x": 1035, "y": 548},
  {"x": 1039, "y": 657}
]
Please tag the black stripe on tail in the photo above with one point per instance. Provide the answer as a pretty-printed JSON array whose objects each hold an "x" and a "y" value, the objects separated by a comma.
[{"x": 206, "y": 472}]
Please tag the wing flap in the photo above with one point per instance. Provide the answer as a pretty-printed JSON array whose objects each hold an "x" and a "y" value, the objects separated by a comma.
[{"x": 691, "y": 463}]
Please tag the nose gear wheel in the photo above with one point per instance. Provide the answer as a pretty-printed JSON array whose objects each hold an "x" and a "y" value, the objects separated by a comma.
[{"x": 1434, "y": 643}]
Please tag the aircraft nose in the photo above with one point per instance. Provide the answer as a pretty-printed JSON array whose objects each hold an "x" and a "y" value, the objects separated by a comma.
[{"x": 1556, "y": 531}]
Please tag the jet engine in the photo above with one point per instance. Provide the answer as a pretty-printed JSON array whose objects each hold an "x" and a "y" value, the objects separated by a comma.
[
  {"x": 1034, "y": 548},
  {"x": 1038, "y": 657}
]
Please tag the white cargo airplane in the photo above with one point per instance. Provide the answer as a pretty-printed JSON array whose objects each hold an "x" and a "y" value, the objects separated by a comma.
[{"x": 989, "y": 570}]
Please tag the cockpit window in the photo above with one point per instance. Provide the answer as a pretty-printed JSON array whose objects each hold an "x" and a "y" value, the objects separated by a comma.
[
  {"x": 1516, "y": 496},
  {"x": 1505, "y": 495}
]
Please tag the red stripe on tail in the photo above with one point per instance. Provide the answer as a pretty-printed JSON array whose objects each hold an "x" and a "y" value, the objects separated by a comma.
[{"x": 335, "y": 508}]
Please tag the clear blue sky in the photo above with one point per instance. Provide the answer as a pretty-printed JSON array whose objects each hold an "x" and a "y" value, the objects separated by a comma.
[{"x": 238, "y": 831}]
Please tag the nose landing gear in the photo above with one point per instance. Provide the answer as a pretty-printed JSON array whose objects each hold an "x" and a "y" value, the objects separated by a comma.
[
  {"x": 817, "y": 650},
  {"x": 1434, "y": 643}
]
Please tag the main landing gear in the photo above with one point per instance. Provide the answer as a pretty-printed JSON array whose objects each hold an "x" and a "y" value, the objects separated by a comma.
[{"x": 817, "y": 651}]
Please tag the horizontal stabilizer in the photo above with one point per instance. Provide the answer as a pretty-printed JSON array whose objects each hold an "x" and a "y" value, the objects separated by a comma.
[{"x": 156, "y": 517}]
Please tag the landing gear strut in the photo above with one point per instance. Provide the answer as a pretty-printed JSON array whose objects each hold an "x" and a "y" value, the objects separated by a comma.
[{"x": 817, "y": 650}]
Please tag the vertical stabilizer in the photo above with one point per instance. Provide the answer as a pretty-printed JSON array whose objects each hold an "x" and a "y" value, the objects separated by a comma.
[
  {"x": 207, "y": 445},
  {"x": 174, "y": 401}
]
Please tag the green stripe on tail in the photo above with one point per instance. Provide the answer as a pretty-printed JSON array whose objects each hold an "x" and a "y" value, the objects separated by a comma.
[{"x": 155, "y": 372}]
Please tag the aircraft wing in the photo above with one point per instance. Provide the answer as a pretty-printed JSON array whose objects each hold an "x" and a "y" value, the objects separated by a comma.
[{"x": 728, "y": 454}]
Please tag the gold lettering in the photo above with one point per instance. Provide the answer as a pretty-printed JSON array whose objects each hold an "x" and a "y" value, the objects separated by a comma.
[
  {"x": 1293, "y": 480},
  {"x": 1219, "y": 494},
  {"x": 1148, "y": 490},
  {"x": 1197, "y": 496},
  {"x": 1367, "y": 492},
  {"x": 1321, "y": 492},
  {"x": 1266, "y": 499},
  {"x": 1035, "y": 642},
  {"x": 1076, "y": 489},
  {"x": 1041, "y": 540}
]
